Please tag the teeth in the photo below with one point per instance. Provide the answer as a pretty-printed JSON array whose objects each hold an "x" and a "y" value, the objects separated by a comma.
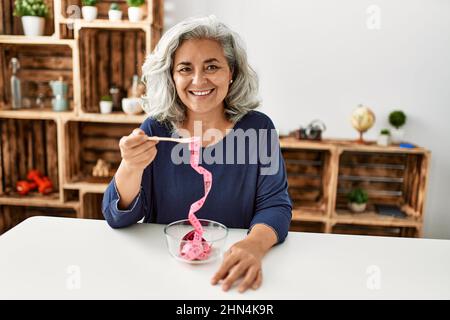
[{"x": 201, "y": 93}]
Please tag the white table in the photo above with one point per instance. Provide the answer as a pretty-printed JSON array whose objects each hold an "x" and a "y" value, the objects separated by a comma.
[{"x": 63, "y": 258}]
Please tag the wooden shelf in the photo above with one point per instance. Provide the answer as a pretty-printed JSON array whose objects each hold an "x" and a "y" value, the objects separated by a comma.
[
  {"x": 342, "y": 145},
  {"x": 44, "y": 40},
  {"x": 301, "y": 214},
  {"x": 372, "y": 218},
  {"x": 114, "y": 117},
  {"x": 46, "y": 114},
  {"x": 321, "y": 173},
  {"x": 371, "y": 146},
  {"x": 87, "y": 187},
  {"x": 38, "y": 200},
  {"x": 106, "y": 24},
  {"x": 293, "y": 143}
]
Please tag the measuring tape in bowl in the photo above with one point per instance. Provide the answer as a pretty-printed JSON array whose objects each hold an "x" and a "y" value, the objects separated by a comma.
[{"x": 193, "y": 245}]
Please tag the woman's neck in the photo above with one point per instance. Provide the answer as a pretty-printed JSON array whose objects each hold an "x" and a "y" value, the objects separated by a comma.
[{"x": 198, "y": 124}]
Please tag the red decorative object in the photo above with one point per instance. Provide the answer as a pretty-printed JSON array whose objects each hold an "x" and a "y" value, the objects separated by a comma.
[
  {"x": 23, "y": 187},
  {"x": 45, "y": 186}
]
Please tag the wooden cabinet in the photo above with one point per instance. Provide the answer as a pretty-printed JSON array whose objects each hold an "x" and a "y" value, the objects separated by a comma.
[
  {"x": 320, "y": 174},
  {"x": 90, "y": 57}
]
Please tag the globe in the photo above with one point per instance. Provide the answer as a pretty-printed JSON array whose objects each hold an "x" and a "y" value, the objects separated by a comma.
[{"x": 362, "y": 120}]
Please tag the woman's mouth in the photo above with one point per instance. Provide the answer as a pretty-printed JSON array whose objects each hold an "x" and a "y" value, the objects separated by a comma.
[{"x": 201, "y": 93}]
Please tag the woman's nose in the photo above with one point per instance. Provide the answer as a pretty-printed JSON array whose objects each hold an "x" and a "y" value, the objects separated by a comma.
[{"x": 199, "y": 78}]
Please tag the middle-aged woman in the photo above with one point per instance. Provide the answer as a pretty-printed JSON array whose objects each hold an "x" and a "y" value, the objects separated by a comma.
[{"x": 199, "y": 75}]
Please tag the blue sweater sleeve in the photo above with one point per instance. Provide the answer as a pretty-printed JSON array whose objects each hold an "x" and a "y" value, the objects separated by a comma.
[
  {"x": 139, "y": 207},
  {"x": 273, "y": 206}
]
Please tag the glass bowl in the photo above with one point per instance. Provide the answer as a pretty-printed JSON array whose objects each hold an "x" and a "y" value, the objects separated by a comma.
[{"x": 214, "y": 233}]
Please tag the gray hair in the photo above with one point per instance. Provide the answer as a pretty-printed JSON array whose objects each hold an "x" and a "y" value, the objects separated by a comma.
[{"x": 161, "y": 100}]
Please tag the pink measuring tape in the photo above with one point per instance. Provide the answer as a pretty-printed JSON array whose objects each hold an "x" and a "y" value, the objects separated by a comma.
[{"x": 195, "y": 247}]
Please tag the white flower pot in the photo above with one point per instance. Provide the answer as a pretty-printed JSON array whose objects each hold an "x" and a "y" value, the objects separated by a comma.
[
  {"x": 397, "y": 135},
  {"x": 357, "y": 207},
  {"x": 89, "y": 13},
  {"x": 33, "y": 26},
  {"x": 115, "y": 15},
  {"x": 134, "y": 14},
  {"x": 106, "y": 106},
  {"x": 384, "y": 140}
]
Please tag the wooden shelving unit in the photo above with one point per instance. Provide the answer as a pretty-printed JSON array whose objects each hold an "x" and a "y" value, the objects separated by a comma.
[
  {"x": 90, "y": 56},
  {"x": 320, "y": 174}
]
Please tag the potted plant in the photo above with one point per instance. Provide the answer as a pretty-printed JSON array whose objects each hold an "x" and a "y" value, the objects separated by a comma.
[
  {"x": 33, "y": 14},
  {"x": 89, "y": 10},
  {"x": 397, "y": 119},
  {"x": 114, "y": 12},
  {"x": 384, "y": 139},
  {"x": 106, "y": 104},
  {"x": 357, "y": 200},
  {"x": 134, "y": 10}
]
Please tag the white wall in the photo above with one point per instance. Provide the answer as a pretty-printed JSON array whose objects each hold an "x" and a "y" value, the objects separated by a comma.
[{"x": 318, "y": 59}]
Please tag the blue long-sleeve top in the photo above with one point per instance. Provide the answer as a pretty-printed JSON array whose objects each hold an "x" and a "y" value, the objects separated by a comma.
[{"x": 245, "y": 191}]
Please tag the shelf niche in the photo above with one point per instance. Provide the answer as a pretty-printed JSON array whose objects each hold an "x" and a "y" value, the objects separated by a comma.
[
  {"x": 26, "y": 145},
  {"x": 102, "y": 8},
  {"x": 392, "y": 179},
  {"x": 308, "y": 174},
  {"x": 90, "y": 141},
  {"x": 108, "y": 57},
  {"x": 92, "y": 206},
  {"x": 39, "y": 64},
  {"x": 11, "y": 25},
  {"x": 307, "y": 226}
]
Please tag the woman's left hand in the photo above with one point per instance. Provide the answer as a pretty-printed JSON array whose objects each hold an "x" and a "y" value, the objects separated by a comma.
[{"x": 243, "y": 259}]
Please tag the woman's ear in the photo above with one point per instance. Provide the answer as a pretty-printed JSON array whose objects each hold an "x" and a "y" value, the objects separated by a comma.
[{"x": 231, "y": 75}]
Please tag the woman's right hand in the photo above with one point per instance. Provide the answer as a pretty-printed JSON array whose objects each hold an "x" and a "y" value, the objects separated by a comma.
[{"x": 137, "y": 151}]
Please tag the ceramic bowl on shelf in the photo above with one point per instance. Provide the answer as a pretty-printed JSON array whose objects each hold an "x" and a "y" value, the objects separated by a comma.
[
  {"x": 132, "y": 105},
  {"x": 215, "y": 235}
]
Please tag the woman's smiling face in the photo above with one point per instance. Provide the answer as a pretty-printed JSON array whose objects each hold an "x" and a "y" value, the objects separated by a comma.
[{"x": 201, "y": 74}]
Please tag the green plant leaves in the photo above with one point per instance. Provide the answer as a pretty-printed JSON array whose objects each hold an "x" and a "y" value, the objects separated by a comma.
[
  {"x": 35, "y": 8},
  {"x": 358, "y": 195}
]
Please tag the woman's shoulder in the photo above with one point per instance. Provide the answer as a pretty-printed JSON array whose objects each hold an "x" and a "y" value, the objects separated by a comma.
[
  {"x": 153, "y": 127},
  {"x": 256, "y": 120}
]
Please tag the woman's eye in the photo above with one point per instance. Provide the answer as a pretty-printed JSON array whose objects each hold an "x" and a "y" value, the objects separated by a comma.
[
  {"x": 211, "y": 67},
  {"x": 185, "y": 69}
]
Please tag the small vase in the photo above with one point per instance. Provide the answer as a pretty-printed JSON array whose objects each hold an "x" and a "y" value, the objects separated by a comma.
[
  {"x": 134, "y": 14},
  {"x": 106, "y": 106},
  {"x": 384, "y": 140},
  {"x": 115, "y": 15},
  {"x": 357, "y": 207},
  {"x": 89, "y": 13},
  {"x": 33, "y": 26}
]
